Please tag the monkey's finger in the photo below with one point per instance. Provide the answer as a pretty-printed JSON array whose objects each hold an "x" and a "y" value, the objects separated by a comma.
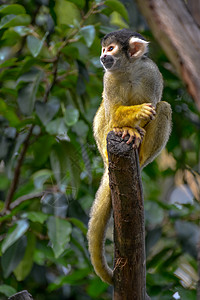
[
  {"x": 117, "y": 131},
  {"x": 145, "y": 115},
  {"x": 153, "y": 111},
  {"x": 152, "y": 117},
  {"x": 146, "y": 109},
  {"x": 125, "y": 132},
  {"x": 130, "y": 139},
  {"x": 149, "y": 110},
  {"x": 136, "y": 143},
  {"x": 150, "y": 105},
  {"x": 141, "y": 131}
]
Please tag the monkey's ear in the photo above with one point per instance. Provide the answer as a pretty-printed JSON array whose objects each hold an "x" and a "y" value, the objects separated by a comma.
[{"x": 137, "y": 47}]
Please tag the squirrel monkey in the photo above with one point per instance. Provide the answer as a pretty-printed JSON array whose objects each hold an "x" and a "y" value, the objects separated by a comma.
[{"x": 131, "y": 106}]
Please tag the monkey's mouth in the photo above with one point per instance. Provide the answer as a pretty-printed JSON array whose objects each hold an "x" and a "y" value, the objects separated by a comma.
[{"x": 107, "y": 61}]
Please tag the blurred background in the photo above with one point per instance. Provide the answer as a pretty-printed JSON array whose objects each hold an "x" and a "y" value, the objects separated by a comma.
[{"x": 50, "y": 169}]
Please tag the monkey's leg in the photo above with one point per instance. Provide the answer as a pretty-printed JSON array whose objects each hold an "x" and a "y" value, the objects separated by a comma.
[
  {"x": 99, "y": 217},
  {"x": 157, "y": 134}
]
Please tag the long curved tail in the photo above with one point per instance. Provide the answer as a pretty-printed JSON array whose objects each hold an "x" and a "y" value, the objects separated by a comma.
[{"x": 99, "y": 217}]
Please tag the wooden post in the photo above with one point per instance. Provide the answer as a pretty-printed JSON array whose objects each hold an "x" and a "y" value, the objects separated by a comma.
[
  {"x": 23, "y": 295},
  {"x": 128, "y": 210}
]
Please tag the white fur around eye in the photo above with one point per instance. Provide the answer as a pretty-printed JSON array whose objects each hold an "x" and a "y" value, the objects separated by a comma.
[
  {"x": 112, "y": 52},
  {"x": 115, "y": 50}
]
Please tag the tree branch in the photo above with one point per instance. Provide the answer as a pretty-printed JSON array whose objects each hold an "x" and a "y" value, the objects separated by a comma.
[
  {"x": 178, "y": 33},
  {"x": 24, "y": 198},
  {"x": 17, "y": 170},
  {"x": 128, "y": 210},
  {"x": 52, "y": 83}
]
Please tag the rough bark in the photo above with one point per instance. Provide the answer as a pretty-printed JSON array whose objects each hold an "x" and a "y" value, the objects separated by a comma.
[
  {"x": 198, "y": 282},
  {"x": 177, "y": 31},
  {"x": 128, "y": 210},
  {"x": 23, "y": 295}
]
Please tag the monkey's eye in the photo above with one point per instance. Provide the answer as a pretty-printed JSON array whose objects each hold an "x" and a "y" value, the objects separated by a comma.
[{"x": 110, "y": 48}]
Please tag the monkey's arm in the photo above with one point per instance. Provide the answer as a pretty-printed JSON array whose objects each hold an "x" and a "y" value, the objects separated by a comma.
[
  {"x": 131, "y": 116},
  {"x": 129, "y": 120}
]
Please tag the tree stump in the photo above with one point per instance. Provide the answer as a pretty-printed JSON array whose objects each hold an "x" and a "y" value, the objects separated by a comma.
[
  {"x": 128, "y": 210},
  {"x": 23, "y": 295}
]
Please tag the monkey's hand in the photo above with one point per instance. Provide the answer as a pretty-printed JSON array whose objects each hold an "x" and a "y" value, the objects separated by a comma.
[
  {"x": 145, "y": 111},
  {"x": 136, "y": 134},
  {"x": 132, "y": 116}
]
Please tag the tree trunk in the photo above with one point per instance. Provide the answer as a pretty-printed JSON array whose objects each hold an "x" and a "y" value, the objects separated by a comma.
[
  {"x": 177, "y": 31},
  {"x": 129, "y": 233},
  {"x": 198, "y": 258}
]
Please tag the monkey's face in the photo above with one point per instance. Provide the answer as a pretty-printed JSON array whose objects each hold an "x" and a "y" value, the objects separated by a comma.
[
  {"x": 110, "y": 58},
  {"x": 120, "y": 49}
]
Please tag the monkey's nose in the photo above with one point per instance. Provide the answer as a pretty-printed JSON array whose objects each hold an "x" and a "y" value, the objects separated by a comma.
[{"x": 103, "y": 58}]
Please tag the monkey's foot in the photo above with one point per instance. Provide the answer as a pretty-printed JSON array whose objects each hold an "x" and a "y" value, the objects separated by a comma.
[
  {"x": 136, "y": 134},
  {"x": 147, "y": 111}
]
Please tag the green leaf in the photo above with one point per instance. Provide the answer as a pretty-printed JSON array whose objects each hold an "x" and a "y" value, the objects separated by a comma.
[
  {"x": 25, "y": 189},
  {"x": 117, "y": 20},
  {"x": 9, "y": 114},
  {"x": 27, "y": 94},
  {"x": 14, "y": 234},
  {"x": 22, "y": 30},
  {"x": 40, "y": 156},
  {"x": 66, "y": 12},
  {"x": 88, "y": 33},
  {"x": 4, "y": 182},
  {"x": 186, "y": 294},
  {"x": 96, "y": 287},
  {"x": 57, "y": 127},
  {"x": 59, "y": 231},
  {"x": 81, "y": 128},
  {"x": 79, "y": 224},
  {"x": 12, "y": 257},
  {"x": 15, "y": 9},
  {"x": 7, "y": 290},
  {"x": 29, "y": 76},
  {"x": 76, "y": 276},
  {"x": 71, "y": 116},
  {"x": 25, "y": 266},
  {"x": 9, "y": 62},
  {"x": 35, "y": 45},
  {"x": 71, "y": 52},
  {"x": 46, "y": 111},
  {"x": 13, "y": 20},
  {"x": 66, "y": 158},
  {"x": 40, "y": 177},
  {"x": 118, "y": 7},
  {"x": 79, "y": 3},
  {"x": 10, "y": 38},
  {"x": 58, "y": 159},
  {"x": 36, "y": 216}
]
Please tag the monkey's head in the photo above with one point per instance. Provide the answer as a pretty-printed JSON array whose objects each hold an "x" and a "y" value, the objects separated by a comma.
[{"x": 120, "y": 48}]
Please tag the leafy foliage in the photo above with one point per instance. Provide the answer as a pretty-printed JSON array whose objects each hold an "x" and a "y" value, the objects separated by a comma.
[{"x": 51, "y": 85}]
